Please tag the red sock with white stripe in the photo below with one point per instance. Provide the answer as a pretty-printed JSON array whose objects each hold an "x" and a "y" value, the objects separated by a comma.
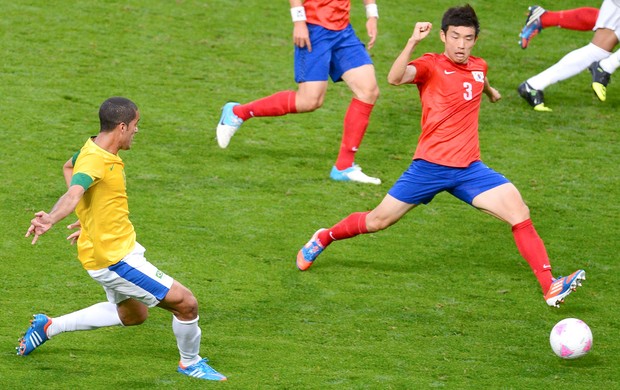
[
  {"x": 278, "y": 104},
  {"x": 533, "y": 250},
  {"x": 355, "y": 124},
  {"x": 351, "y": 226}
]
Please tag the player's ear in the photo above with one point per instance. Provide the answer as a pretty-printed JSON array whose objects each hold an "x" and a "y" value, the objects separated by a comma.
[{"x": 442, "y": 35}]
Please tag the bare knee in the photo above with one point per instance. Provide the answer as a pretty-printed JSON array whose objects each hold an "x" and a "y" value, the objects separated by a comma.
[
  {"x": 308, "y": 103},
  {"x": 180, "y": 302},
  {"x": 187, "y": 310},
  {"x": 522, "y": 214},
  {"x": 369, "y": 96},
  {"x": 133, "y": 317},
  {"x": 374, "y": 223}
]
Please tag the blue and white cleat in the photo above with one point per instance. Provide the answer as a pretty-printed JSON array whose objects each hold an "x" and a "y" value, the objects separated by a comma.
[
  {"x": 35, "y": 335},
  {"x": 228, "y": 125},
  {"x": 532, "y": 25},
  {"x": 201, "y": 370},
  {"x": 353, "y": 173},
  {"x": 562, "y": 286},
  {"x": 309, "y": 252}
]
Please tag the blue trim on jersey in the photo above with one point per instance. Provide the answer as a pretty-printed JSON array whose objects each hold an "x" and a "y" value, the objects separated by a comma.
[
  {"x": 423, "y": 180},
  {"x": 141, "y": 280},
  {"x": 333, "y": 53}
]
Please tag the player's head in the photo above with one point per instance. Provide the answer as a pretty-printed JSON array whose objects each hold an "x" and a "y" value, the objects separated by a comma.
[
  {"x": 116, "y": 110},
  {"x": 459, "y": 31},
  {"x": 464, "y": 16}
]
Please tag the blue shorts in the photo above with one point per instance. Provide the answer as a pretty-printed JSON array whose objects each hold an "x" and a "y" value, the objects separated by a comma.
[
  {"x": 423, "y": 180},
  {"x": 333, "y": 53}
]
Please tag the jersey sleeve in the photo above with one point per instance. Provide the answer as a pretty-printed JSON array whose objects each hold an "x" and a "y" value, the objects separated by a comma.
[
  {"x": 423, "y": 66},
  {"x": 87, "y": 170}
]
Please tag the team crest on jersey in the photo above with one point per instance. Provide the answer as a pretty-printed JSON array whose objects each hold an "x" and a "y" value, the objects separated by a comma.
[{"x": 478, "y": 76}]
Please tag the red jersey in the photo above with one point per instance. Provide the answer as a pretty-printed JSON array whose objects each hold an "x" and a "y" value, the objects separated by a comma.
[
  {"x": 450, "y": 95},
  {"x": 330, "y": 14}
]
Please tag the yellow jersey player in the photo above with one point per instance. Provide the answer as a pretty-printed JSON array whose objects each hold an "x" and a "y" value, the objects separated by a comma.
[{"x": 108, "y": 250}]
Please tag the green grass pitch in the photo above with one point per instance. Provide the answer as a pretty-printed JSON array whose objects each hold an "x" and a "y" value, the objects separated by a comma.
[{"x": 440, "y": 300}]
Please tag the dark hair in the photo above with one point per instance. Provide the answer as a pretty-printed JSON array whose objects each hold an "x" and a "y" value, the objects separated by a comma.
[
  {"x": 116, "y": 110},
  {"x": 460, "y": 16}
]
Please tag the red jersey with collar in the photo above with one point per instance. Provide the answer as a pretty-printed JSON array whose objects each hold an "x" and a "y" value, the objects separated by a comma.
[
  {"x": 450, "y": 95},
  {"x": 330, "y": 14}
]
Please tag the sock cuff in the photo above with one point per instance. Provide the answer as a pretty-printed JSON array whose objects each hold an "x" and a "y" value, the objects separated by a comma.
[
  {"x": 521, "y": 225},
  {"x": 361, "y": 106},
  {"x": 174, "y": 318},
  {"x": 599, "y": 51},
  {"x": 361, "y": 222},
  {"x": 292, "y": 102}
]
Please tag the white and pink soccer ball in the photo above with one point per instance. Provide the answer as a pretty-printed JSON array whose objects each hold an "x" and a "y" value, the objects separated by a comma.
[{"x": 571, "y": 338}]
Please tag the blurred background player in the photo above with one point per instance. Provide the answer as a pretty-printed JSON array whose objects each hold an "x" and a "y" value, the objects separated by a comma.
[
  {"x": 447, "y": 157},
  {"x": 606, "y": 37},
  {"x": 108, "y": 250},
  {"x": 325, "y": 46},
  {"x": 578, "y": 19}
]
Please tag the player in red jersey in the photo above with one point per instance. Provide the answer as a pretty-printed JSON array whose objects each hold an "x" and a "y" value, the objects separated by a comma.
[
  {"x": 447, "y": 157},
  {"x": 325, "y": 46}
]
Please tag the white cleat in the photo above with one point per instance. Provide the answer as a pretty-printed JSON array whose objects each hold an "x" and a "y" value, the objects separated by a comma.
[
  {"x": 353, "y": 173},
  {"x": 228, "y": 125}
]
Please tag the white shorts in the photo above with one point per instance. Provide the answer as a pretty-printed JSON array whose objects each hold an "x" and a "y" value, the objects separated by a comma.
[
  {"x": 609, "y": 17},
  {"x": 133, "y": 277}
]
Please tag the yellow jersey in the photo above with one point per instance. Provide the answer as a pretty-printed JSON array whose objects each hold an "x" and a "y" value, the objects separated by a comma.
[{"x": 107, "y": 233}]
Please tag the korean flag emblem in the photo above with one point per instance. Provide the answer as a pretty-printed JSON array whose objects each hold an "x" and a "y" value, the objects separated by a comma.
[{"x": 478, "y": 76}]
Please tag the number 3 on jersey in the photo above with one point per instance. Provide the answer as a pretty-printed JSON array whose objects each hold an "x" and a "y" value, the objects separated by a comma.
[{"x": 468, "y": 91}]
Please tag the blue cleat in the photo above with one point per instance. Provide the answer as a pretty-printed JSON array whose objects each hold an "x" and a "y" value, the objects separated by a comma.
[
  {"x": 35, "y": 335},
  {"x": 228, "y": 125},
  {"x": 532, "y": 25},
  {"x": 309, "y": 252},
  {"x": 201, "y": 370},
  {"x": 562, "y": 286},
  {"x": 353, "y": 173}
]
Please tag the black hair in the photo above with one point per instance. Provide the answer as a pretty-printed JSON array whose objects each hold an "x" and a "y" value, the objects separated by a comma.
[
  {"x": 116, "y": 110},
  {"x": 460, "y": 16}
]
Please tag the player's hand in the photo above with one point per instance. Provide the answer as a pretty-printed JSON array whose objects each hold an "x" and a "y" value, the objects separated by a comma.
[
  {"x": 371, "y": 28},
  {"x": 421, "y": 31},
  {"x": 493, "y": 94},
  {"x": 74, "y": 236},
  {"x": 301, "y": 36},
  {"x": 39, "y": 225}
]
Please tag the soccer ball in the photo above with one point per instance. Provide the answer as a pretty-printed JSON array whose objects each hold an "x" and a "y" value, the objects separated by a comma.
[{"x": 571, "y": 338}]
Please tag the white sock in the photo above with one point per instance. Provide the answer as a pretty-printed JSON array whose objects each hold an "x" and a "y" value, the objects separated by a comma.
[
  {"x": 571, "y": 64},
  {"x": 188, "y": 336},
  {"x": 611, "y": 63},
  {"x": 96, "y": 316}
]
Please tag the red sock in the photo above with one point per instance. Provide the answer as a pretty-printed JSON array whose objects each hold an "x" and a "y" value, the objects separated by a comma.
[
  {"x": 580, "y": 19},
  {"x": 278, "y": 104},
  {"x": 355, "y": 124},
  {"x": 351, "y": 226},
  {"x": 533, "y": 250}
]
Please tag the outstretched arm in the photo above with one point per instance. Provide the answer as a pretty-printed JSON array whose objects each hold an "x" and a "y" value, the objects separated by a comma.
[
  {"x": 42, "y": 221},
  {"x": 401, "y": 72}
]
